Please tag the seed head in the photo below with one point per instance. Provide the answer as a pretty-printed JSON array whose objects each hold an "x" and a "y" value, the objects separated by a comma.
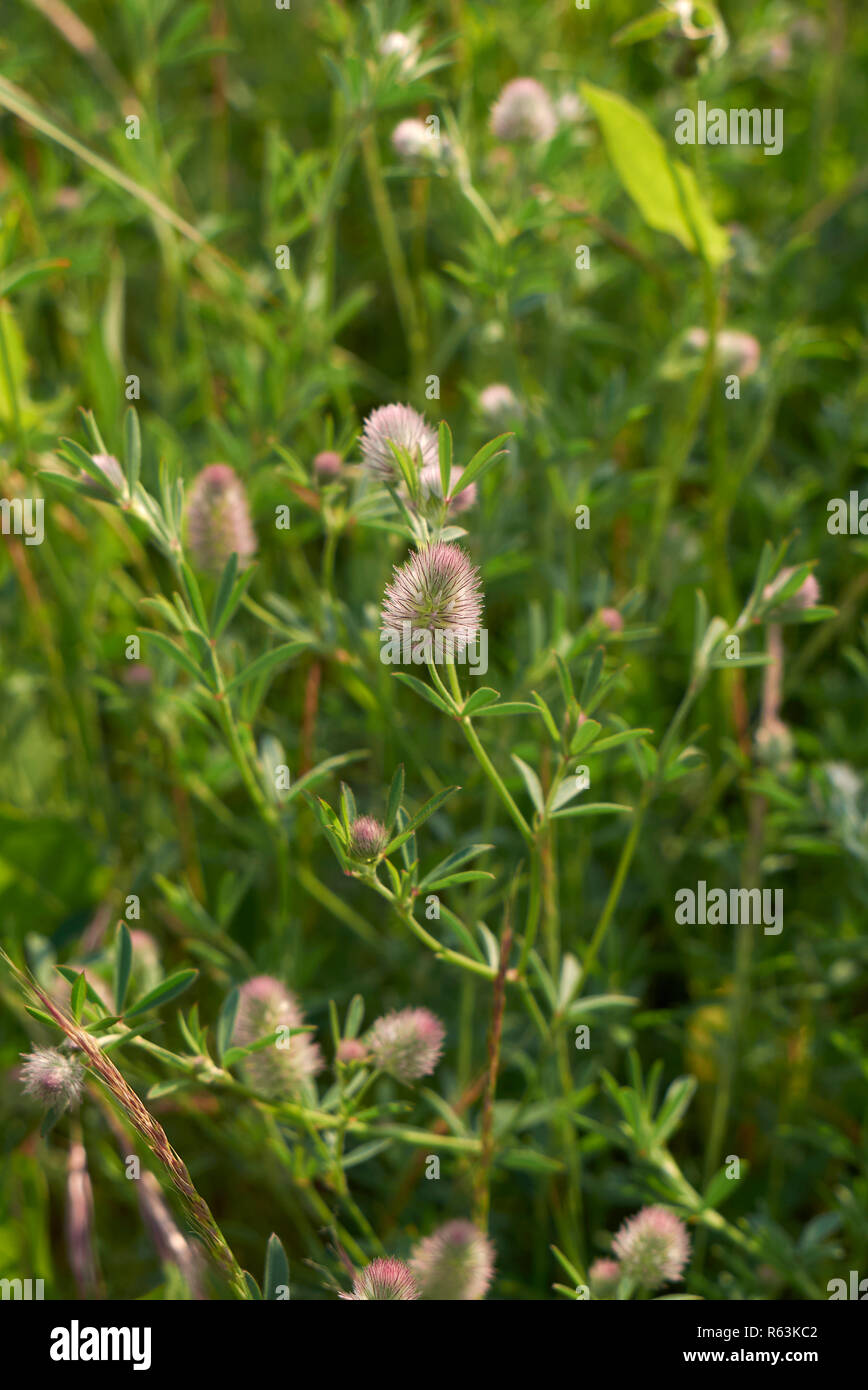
[
  {"x": 218, "y": 519},
  {"x": 383, "y": 1279},
  {"x": 523, "y": 112},
  {"x": 438, "y": 588},
  {"x": 406, "y": 428},
  {"x": 367, "y": 837},
  {"x": 455, "y": 1263},
  {"x": 652, "y": 1247},
  {"x": 264, "y": 1005},
  {"x": 407, "y": 1044},
  {"x": 54, "y": 1078}
]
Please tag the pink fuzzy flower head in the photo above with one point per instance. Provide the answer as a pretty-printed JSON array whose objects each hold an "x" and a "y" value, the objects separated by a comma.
[
  {"x": 653, "y": 1247},
  {"x": 604, "y": 1276},
  {"x": 456, "y": 1263},
  {"x": 611, "y": 619},
  {"x": 264, "y": 1006},
  {"x": 383, "y": 1279},
  {"x": 368, "y": 837},
  {"x": 111, "y": 471},
  {"x": 438, "y": 589},
  {"x": 218, "y": 519},
  {"x": 499, "y": 404},
  {"x": 327, "y": 465},
  {"x": 351, "y": 1050},
  {"x": 53, "y": 1077},
  {"x": 406, "y": 1044},
  {"x": 432, "y": 489},
  {"x": 736, "y": 352},
  {"x": 523, "y": 111},
  {"x": 806, "y": 596},
  {"x": 407, "y": 429},
  {"x": 412, "y": 141}
]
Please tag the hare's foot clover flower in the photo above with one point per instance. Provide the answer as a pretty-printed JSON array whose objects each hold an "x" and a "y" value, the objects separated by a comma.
[
  {"x": 218, "y": 519},
  {"x": 653, "y": 1247},
  {"x": 806, "y": 596},
  {"x": 351, "y": 1050},
  {"x": 406, "y": 429},
  {"x": 498, "y": 402},
  {"x": 53, "y": 1077},
  {"x": 523, "y": 111},
  {"x": 368, "y": 837},
  {"x": 264, "y": 1006},
  {"x": 413, "y": 142},
  {"x": 437, "y": 590},
  {"x": 455, "y": 1263},
  {"x": 406, "y": 1044},
  {"x": 383, "y": 1279},
  {"x": 604, "y": 1276},
  {"x": 432, "y": 490},
  {"x": 327, "y": 465}
]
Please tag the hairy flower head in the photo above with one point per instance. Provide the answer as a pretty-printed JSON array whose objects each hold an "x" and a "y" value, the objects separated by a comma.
[
  {"x": 54, "y": 1078},
  {"x": 523, "y": 111},
  {"x": 432, "y": 489},
  {"x": 736, "y": 352},
  {"x": 438, "y": 589},
  {"x": 327, "y": 465},
  {"x": 455, "y": 1263},
  {"x": 604, "y": 1276},
  {"x": 498, "y": 402},
  {"x": 407, "y": 429},
  {"x": 367, "y": 837},
  {"x": 383, "y": 1279},
  {"x": 653, "y": 1247},
  {"x": 265, "y": 1005},
  {"x": 407, "y": 1044},
  {"x": 806, "y": 596},
  {"x": 218, "y": 519},
  {"x": 412, "y": 141}
]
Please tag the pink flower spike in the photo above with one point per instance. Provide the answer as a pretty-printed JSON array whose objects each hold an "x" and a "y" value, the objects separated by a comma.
[{"x": 383, "y": 1279}]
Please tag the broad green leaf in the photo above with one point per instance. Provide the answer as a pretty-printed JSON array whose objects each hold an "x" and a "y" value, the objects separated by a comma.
[
  {"x": 168, "y": 989},
  {"x": 532, "y": 782},
  {"x": 664, "y": 189},
  {"x": 276, "y": 1269},
  {"x": 482, "y": 460},
  {"x": 268, "y": 662},
  {"x": 396, "y": 796},
  {"x": 444, "y": 441},
  {"x": 123, "y": 964},
  {"x": 480, "y": 699},
  {"x": 424, "y": 690},
  {"x": 226, "y": 1022}
]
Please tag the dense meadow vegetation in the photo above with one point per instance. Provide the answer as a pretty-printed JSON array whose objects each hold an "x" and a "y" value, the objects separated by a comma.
[{"x": 533, "y": 974}]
